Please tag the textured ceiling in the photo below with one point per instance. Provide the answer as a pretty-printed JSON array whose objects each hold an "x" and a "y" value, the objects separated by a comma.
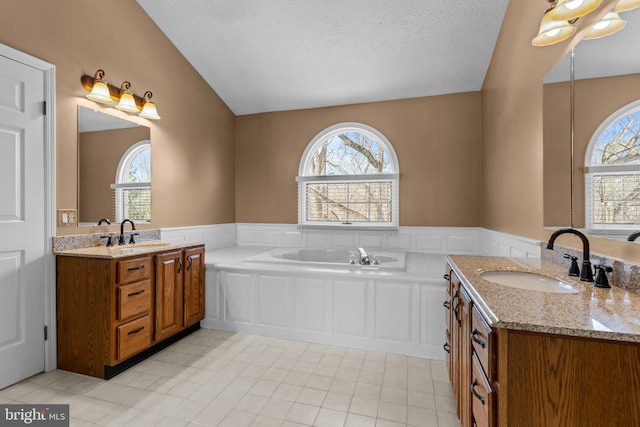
[{"x": 273, "y": 55}]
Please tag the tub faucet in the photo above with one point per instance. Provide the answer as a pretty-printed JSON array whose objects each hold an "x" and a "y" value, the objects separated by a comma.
[
  {"x": 586, "y": 273},
  {"x": 364, "y": 258},
  {"x": 121, "y": 238}
]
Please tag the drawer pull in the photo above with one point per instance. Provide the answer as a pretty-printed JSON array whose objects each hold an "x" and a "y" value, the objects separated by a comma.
[
  {"x": 474, "y": 337},
  {"x": 456, "y": 307},
  {"x": 474, "y": 392},
  {"x": 138, "y": 267},
  {"x": 446, "y": 277},
  {"x": 179, "y": 265},
  {"x": 447, "y": 305},
  {"x": 447, "y": 347},
  {"x": 135, "y": 331},
  {"x": 190, "y": 261},
  {"x": 132, "y": 294}
]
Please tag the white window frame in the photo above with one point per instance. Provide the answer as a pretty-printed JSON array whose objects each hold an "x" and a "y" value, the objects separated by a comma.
[
  {"x": 598, "y": 170},
  {"x": 122, "y": 173},
  {"x": 303, "y": 180}
]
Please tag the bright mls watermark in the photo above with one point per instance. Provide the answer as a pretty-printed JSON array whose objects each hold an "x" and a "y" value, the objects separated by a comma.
[{"x": 34, "y": 415}]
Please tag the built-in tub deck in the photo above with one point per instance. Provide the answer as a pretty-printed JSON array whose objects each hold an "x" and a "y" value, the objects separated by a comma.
[{"x": 391, "y": 310}]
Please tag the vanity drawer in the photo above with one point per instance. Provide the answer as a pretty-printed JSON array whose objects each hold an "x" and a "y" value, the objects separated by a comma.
[
  {"x": 483, "y": 340},
  {"x": 133, "y": 337},
  {"x": 134, "y": 269},
  {"x": 482, "y": 396},
  {"x": 133, "y": 299}
]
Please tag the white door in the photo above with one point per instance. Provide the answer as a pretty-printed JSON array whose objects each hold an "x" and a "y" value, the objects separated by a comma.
[{"x": 22, "y": 221}]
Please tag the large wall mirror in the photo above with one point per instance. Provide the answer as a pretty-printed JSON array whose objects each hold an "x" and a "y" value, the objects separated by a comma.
[
  {"x": 581, "y": 98},
  {"x": 114, "y": 169}
]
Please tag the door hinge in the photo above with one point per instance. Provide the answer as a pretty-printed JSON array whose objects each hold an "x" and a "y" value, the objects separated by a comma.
[
  {"x": 46, "y": 332},
  {"x": 44, "y": 108}
]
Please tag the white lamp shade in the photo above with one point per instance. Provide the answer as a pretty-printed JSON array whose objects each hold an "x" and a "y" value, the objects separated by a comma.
[
  {"x": 100, "y": 93},
  {"x": 127, "y": 103},
  {"x": 149, "y": 111},
  {"x": 610, "y": 24},
  {"x": 552, "y": 31},
  {"x": 571, "y": 9}
]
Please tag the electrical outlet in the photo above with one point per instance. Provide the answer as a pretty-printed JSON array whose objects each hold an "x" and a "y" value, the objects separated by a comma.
[{"x": 67, "y": 217}]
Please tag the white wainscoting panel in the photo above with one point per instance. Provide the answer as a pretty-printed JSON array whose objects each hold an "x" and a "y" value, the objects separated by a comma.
[
  {"x": 350, "y": 307},
  {"x": 238, "y": 297},
  {"x": 309, "y": 306},
  {"x": 273, "y": 302},
  {"x": 213, "y": 236},
  {"x": 393, "y": 311}
]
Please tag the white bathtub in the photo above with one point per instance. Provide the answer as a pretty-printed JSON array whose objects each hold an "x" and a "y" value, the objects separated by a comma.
[
  {"x": 265, "y": 292},
  {"x": 331, "y": 258}
]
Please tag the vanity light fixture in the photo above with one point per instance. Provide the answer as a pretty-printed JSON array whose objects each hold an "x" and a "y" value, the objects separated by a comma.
[
  {"x": 104, "y": 93},
  {"x": 625, "y": 5},
  {"x": 99, "y": 89},
  {"x": 149, "y": 108},
  {"x": 572, "y": 9},
  {"x": 551, "y": 30},
  {"x": 127, "y": 103},
  {"x": 611, "y": 23},
  {"x": 557, "y": 21}
]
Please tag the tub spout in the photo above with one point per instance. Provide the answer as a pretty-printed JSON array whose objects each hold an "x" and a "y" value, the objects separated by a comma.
[{"x": 364, "y": 258}]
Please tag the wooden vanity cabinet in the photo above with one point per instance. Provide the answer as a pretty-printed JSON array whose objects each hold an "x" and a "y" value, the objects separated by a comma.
[
  {"x": 532, "y": 379},
  {"x": 110, "y": 311}
]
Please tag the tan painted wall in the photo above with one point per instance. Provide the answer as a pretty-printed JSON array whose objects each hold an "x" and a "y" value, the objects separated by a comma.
[
  {"x": 437, "y": 140},
  {"x": 193, "y": 152},
  {"x": 99, "y": 155}
]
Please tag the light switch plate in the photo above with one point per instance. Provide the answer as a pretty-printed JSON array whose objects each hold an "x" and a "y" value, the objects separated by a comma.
[{"x": 67, "y": 217}]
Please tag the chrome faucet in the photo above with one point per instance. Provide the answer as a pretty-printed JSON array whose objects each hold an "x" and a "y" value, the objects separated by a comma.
[
  {"x": 586, "y": 273},
  {"x": 364, "y": 258},
  {"x": 133, "y": 227}
]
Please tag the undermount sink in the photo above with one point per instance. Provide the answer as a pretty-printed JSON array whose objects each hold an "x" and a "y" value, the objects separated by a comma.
[{"x": 530, "y": 281}]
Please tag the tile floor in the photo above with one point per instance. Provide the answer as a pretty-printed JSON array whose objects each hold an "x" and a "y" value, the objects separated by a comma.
[{"x": 214, "y": 378}]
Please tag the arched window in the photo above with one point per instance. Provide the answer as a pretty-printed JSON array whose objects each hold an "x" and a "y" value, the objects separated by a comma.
[
  {"x": 348, "y": 177},
  {"x": 612, "y": 181},
  {"x": 133, "y": 184}
]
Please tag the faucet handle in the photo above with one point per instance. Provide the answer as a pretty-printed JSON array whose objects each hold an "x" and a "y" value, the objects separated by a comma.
[
  {"x": 601, "y": 277},
  {"x": 574, "y": 270},
  {"x": 132, "y": 239},
  {"x": 109, "y": 239}
]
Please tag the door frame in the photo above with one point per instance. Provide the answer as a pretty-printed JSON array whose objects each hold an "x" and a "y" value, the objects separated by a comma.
[{"x": 49, "y": 71}]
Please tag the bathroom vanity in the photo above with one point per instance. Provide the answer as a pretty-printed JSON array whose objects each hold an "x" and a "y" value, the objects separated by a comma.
[
  {"x": 118, "y": 305},
  {"x": 518, "y": 357}
]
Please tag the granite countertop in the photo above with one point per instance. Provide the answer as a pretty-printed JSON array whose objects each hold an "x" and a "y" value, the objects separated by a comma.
[
  {"x": 612, "y": 314},
  {"x": 122, "y": 251}
]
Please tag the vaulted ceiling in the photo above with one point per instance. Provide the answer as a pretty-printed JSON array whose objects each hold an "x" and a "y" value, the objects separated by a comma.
[{"x": 274, "y": 55}]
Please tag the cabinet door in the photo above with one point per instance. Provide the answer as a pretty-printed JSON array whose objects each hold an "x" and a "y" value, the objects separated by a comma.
[
  {"x": 193, "y": 286},
  {"x": 169, "y": 271},
  {"x": 465, "y": 358}
]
